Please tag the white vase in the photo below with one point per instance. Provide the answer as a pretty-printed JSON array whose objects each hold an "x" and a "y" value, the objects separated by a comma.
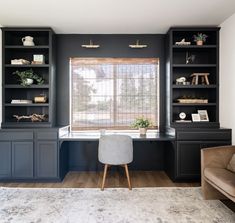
[
  {"x": 28, "y": 41},
  {"x": 142, "y": 131},
  {"x": 29, "y": 81}
]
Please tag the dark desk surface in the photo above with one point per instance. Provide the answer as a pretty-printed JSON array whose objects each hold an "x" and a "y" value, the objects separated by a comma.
[{"x": 135, "y": 137}]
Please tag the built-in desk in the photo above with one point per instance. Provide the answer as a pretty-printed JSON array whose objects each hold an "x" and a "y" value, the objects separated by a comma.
[
  {"x": 93, "y": 136},
  {"x": 81, "y": 150}
]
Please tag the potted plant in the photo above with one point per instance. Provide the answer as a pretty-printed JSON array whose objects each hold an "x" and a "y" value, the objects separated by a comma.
[
  {"x": 200, "y": 38},
  {"x": 142, "y": 124},
  {"x": 27, "y": 77}
]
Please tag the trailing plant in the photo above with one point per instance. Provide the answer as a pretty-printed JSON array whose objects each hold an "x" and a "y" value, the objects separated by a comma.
[
  {"x": 141, "y": 123},
  {"x": 200, "y": 37},
  {"x": 28, "y": 74}
]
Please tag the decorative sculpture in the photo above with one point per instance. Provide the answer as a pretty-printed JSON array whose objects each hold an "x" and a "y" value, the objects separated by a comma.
[
  {"x": 180, "y": 80},
  {"x": 182, "y": 42},
  {"x": 190, "y": 59},
  {"x": 33, "y": 117}
]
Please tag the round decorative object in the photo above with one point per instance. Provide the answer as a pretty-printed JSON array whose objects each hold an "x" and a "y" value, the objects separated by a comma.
[{"x": 182, "y": 115}]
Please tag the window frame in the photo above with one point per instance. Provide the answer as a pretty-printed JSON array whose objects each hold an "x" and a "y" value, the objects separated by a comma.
[{"x": 111, "y": 60}]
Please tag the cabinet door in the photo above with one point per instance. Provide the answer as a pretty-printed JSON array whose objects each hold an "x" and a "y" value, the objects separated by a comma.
[
  {"x": 188, "y": 159},
  {"x": 46, "y": 159},
  {"x": 5, "y": 159},
  {"x": 22, "y": 159}
]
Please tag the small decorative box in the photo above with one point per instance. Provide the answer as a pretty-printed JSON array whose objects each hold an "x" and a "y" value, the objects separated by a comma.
[
  {"x": 40, "y": 99},
  {"x": 38, "y": 59}
]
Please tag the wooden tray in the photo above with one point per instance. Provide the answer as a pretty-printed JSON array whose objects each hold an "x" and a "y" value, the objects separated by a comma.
[{"x": 188, "y": 101}]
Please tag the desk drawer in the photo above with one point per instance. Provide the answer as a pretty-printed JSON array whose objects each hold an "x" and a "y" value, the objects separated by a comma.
[
  {"x": 46, "y": 135},
  {"x": 13, "y": 136},
  {"x": 204, "y": 135}
]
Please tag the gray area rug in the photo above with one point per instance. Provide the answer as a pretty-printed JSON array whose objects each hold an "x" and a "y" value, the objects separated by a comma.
[{"x": 156, "y": 205}]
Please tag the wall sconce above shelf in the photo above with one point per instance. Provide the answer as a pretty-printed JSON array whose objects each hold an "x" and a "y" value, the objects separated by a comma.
[
  {"x": 137, "y": 45},
  {"x": 90, "y": 45}
]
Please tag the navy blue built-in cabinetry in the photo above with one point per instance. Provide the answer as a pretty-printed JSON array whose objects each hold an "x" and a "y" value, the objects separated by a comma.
[
  {"x": 30, "y": 150},
  {"x": 183, "y": 157},
  {"x": 19, "y": 100},
  {"x": 46, "y": 159},
  {"x": 31, "y": 154},
  {"x": 5, "y": 159},
  {"x": 22, "y": 159},
  {"x": 28, "y": 147},
  {"x": 183, "y": 61}
]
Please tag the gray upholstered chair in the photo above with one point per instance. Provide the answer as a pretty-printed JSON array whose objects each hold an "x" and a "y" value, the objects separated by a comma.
[{"x": 115, "y": 150}]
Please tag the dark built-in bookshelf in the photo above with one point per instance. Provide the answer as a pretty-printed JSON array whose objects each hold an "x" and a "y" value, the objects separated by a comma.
[
  {"x": 206, "y": 60},
  {"x": 13, "y": 48}
]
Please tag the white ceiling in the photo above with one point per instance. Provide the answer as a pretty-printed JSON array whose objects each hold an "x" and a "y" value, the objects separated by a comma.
[{"x": 114, "y": 16}]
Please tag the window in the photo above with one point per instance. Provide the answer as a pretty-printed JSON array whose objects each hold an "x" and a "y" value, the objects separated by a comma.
[{"x": 111, "y": 93}]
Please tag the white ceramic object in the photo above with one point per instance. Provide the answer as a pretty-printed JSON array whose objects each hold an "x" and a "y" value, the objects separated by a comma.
[
  {"x": 142, "y": 131},
  {"x": 29, "y": 81},
  {"x": 28, "y": 41}
]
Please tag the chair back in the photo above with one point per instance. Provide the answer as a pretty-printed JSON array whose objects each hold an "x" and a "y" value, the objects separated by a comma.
[{"x": 115, "y": 149}]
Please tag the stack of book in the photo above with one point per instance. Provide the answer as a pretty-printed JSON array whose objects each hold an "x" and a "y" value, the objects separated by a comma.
[{"x": 20, "y": 101}]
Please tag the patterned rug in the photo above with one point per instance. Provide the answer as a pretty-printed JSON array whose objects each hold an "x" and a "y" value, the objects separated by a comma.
[{"x": 155, "y": 205}]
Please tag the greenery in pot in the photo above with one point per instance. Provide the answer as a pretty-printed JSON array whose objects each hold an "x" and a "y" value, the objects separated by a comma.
[
  {"x": 141, "y": 123},
  {"x": 28, "y": 74},
  {"x": 200, "y": 37}
]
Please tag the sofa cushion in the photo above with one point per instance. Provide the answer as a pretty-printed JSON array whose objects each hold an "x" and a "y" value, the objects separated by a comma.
[
  {"x": 231, "y": 164},
  {"x": 222, "y": 178}
]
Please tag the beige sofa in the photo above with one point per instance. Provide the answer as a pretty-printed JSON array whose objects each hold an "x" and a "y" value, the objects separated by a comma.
[{"x": 217, "y": 181}]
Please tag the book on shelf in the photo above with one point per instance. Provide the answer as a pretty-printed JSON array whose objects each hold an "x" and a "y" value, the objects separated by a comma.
[
  {"x": 20, "y": 62},
  {"x": 20, "y": 101},
  {"x": 183, "y": 121}
]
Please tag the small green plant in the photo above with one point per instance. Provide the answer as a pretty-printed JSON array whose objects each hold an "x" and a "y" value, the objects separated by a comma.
[
  {"x": 200, "y": 37},
  {"x": 28, "y": 74},
  {"x": 141, "y": 123}
]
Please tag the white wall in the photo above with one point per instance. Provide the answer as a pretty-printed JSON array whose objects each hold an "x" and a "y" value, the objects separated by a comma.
[
  {"x": 0, "y": 75},
  {"x": 227, "y": 74}
]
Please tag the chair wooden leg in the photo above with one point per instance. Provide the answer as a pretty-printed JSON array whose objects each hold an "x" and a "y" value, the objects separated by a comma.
[
  {"x": 128, "y": 177},
  {"x": 104, "y": 176}
]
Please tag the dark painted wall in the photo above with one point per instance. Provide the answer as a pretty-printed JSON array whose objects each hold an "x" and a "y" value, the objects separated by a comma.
[
  {"x": 69, "y": 45},
  {"x": 83, "y": 156}
]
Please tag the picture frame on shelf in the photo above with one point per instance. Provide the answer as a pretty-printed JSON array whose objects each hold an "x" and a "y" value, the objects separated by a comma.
[
  {"x": 203, "y": 115},
  {"x": 195, "y": 117}
]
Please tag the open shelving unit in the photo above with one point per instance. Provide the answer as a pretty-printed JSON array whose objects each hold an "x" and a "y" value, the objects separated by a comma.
[
  {"x": 13, "y": 48},
  {"x": 206, "y": 60}
]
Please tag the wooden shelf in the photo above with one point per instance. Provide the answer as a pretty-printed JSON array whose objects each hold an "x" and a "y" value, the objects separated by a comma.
[
  {"x": 26, "y": 105},
  {"x": 24, "y": 124},
  {"x": 23, "y": 87},
  {"x": 193, "y": 46},
  {"x": 194, "y": 65},
  {"x": 193, "y": 86},
  {"x": 194, "y": 104},
  {"x": 26, "y": 47},
  {"x": 27, "y": 65}
]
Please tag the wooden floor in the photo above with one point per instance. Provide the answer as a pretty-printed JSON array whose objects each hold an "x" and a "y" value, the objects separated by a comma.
[{"x": 114, "y": 179}]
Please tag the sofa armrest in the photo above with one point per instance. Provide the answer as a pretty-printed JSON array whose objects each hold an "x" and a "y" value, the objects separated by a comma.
[{"x": 217, "y": 157}]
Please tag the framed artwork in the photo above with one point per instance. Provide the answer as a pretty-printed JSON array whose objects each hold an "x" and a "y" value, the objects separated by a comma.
[
  {"x": 203, "y": 115},
  {"x": 195, "y": 117}
]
